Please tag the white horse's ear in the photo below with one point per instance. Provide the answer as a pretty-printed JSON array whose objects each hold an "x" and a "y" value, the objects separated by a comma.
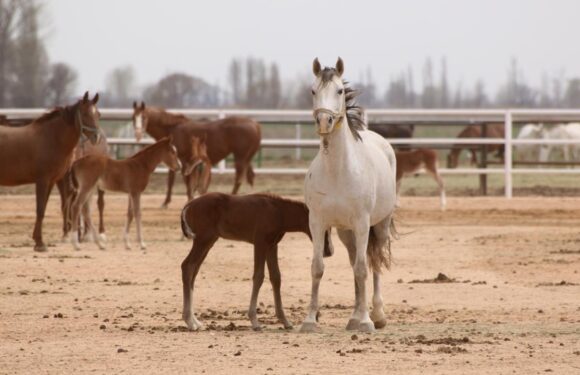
[
  {"x": 134, "y": 105},
  {"x": 339, "y": 67},
  {"x": 316, "y": 68}
]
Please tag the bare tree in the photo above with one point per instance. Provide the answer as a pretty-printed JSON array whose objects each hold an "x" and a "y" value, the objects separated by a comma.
[
  {"x": 274, "y": 87},
  {"x": 61, "y": 84},
  {"x": 8, "y": 14},
  {"x": 235, "y": 80},
  {"x": 180, "y": 90},
  {"x": 120, "y": 86}
]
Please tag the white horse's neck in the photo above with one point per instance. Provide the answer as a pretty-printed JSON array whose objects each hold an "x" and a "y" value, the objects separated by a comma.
[{"x": 339, "y": 156}]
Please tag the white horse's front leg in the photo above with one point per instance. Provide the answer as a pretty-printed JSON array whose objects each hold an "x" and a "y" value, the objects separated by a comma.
[
  {"x": 360, "y": 268},
  {"x": 318, "y": 231}
]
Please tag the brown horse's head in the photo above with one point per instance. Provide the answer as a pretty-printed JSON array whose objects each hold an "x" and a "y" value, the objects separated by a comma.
[
  {"x": 139, "y": 120},
  {"x": 170, "y": 155},
  {"x": 87, "y": 118},
  {"x": 199, "y": 165}
]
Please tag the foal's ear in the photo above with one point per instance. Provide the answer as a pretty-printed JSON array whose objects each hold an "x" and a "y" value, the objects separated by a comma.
[
  {"x": 339, "y": 67},
  {"x": 134, "y": 104},
  {"x": 95, "y": 99},
  {"x": 316, "y": 68},
  {"x": 86, "y": 97}
]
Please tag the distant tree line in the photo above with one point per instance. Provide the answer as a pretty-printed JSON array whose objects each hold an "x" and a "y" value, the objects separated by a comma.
[{"x": 29, "y": 79}]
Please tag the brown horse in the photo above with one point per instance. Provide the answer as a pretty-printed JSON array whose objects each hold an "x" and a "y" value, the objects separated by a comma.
[
  {"x": 84, "y": 148},
  {"x": 129, "y": 176},
  {"x": 409, "y": 162},
  {"x": 40, "y": 153},
  {"x": 394, "y": 131},
  {"x": 238, "y": 135},
  {"x": 474, "y": 131},
  {"x": 259, "y": 219}
]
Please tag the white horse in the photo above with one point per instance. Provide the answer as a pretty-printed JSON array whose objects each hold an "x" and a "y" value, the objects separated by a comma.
[
  {"x": 530, "y": 152},
  {"x": 570, "y": 152},
  {"x": 350, "y": 185}
]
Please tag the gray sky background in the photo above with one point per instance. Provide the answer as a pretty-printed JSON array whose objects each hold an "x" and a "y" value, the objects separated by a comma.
[{"x": 478, "y": 37}]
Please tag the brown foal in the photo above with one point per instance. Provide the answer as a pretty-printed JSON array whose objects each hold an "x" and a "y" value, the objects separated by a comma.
[
  {"x": 129, "y": 176},
  {"x": 475, "y": 131},
  {"x": 40, "y": 153},
  {"x": 410, "y": 162},
  {"x": 235, "y": 135},
  {"x": 259, "y": 219}
]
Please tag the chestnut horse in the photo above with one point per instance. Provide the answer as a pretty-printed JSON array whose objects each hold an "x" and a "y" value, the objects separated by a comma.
[
  {"x": 129, "y": 176},
  {"x": 238, "y": 135},
  {"x": 474, "y": 131},
  {"x": 410, "y": 162},
  {"x": 40, "y": 153},
  {"x": 84, "y": 148},
  {"x": 260, "y": 219}
]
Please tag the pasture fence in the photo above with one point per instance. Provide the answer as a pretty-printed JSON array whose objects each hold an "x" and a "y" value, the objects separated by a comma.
[{"x": 423, "y": 117}]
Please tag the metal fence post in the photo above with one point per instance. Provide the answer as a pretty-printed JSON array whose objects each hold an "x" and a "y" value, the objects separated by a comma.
[
  {"x": 222, "y": 163},
  {"x": 508, "y": 154}
]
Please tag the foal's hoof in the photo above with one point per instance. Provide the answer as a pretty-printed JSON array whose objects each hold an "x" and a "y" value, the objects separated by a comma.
[
  {"x": 165, "y": 205},
  {"x": 41, "y": 248},
  {"x": 381, "y": 323},
  {"x": 352, "y": 324},
  {"x": 366, "y": 327},
  {"x": 257, "y": 328},
  {"x": 308, "y": 327},
  {"x": 103, "y": 237}
]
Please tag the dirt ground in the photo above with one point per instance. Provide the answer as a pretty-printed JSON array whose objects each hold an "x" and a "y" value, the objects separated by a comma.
[{"x": 510, "y": 303}]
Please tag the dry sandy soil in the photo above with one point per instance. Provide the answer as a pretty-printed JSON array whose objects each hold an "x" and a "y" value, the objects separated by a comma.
[{"x": 512, "y": 305}]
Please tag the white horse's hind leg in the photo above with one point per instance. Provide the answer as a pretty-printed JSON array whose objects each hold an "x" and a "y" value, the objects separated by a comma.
[
  {"x": 347, "y": 238},
  {"x": 381, "y": 231},
  {"x": 317, "y": 270}
]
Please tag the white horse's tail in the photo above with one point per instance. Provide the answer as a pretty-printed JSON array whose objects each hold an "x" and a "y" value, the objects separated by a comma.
[
  {"x": 187, "y": 232},
  {"x": 379, "y": 254}
]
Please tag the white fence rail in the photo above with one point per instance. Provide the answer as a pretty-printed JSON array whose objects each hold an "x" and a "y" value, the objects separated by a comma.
[{"x": 417, "y": 116}]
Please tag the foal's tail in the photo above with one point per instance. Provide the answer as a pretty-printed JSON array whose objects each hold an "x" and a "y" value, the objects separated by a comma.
[
  {"x": 187, "y": 232},
  {"x": 379, "y": 254}
]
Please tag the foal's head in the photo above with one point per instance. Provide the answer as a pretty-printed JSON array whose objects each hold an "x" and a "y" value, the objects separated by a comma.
[
  {"x": 140, "y": 120},
  {"x": 169, "y": 155},
  {"x": 87, "y": 118}
]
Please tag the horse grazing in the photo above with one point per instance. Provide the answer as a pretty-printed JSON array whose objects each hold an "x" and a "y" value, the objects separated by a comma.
[
  {"x": 238, "y": 135},
  {"x": 410, "y": 162},
  {"x": 260, "y": 219},
  {"x": 394, "y": 131},
  {"x": 350, "y": 185},
  {"x": 530, "y": 152},
  {"x": 129, "y": 176},
  {"x": 474, "y": 131},
  {"x": 84, "y": 148},
  {"x": 570, "y": 152},
  {"x": 40, "y": 152}
]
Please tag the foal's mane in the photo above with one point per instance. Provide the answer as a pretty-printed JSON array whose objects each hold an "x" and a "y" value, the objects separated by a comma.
[
  {"x": 66, "y": 112},
  {"x": 279, "y": 198},
  {"x": 148, "y": 149},
  {"x": 354, "y": 113}
]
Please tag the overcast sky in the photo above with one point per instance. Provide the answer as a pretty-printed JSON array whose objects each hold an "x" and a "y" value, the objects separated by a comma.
[{"x": 478, "y": 37}]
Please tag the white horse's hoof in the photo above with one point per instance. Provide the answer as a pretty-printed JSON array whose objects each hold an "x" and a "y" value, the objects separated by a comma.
[
  {"x": 103, "y": 237},
  {"x": 366, "y": 327},
  {"x": 352, "y": 324},
  {"x": 143, "y": 246},
  {"x": 308, "y": 327},
  {"x": 193, "y": 324}
]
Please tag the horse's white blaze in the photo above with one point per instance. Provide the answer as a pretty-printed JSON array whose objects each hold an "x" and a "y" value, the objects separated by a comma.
[{"x": 139, "y": 122}]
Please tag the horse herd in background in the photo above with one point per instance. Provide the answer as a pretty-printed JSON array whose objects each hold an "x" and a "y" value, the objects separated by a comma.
[{"x": 353, "y": 184}]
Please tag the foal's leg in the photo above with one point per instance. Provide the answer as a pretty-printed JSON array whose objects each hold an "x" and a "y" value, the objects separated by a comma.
[
  {"x": 317, "y": 270},
  {"x": 442, "y": 199},
  {"x": 188, "y": 180},
  {"x": 128, "y": 223},
  {"x": 78, "y": 204},
  {"x": 276, "y": 281},
  {"x": 260, "y": 250},
  {"x": 89, "y": 223},
  {"x": 170, "y": 181},
  {"x": 189, "y": 269},
  {"x": 43, "y": 189},
  {"x": 60, "y": 184},
  {"x": 136, "y": 198},
  {"x": 101, "y": 207}
]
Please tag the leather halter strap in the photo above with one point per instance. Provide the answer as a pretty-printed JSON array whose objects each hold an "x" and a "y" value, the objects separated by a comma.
[
  {"x": 83, "y": 127},
  {"x": 338, "y": 115}
]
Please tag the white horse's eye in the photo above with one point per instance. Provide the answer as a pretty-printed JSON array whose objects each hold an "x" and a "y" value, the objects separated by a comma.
[
  {"x": 313, "y": 92},
  {"x": 340, "y": 91}
]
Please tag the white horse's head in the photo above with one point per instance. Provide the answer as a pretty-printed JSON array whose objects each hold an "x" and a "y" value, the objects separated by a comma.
[{"x": 328, "y": 97}]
